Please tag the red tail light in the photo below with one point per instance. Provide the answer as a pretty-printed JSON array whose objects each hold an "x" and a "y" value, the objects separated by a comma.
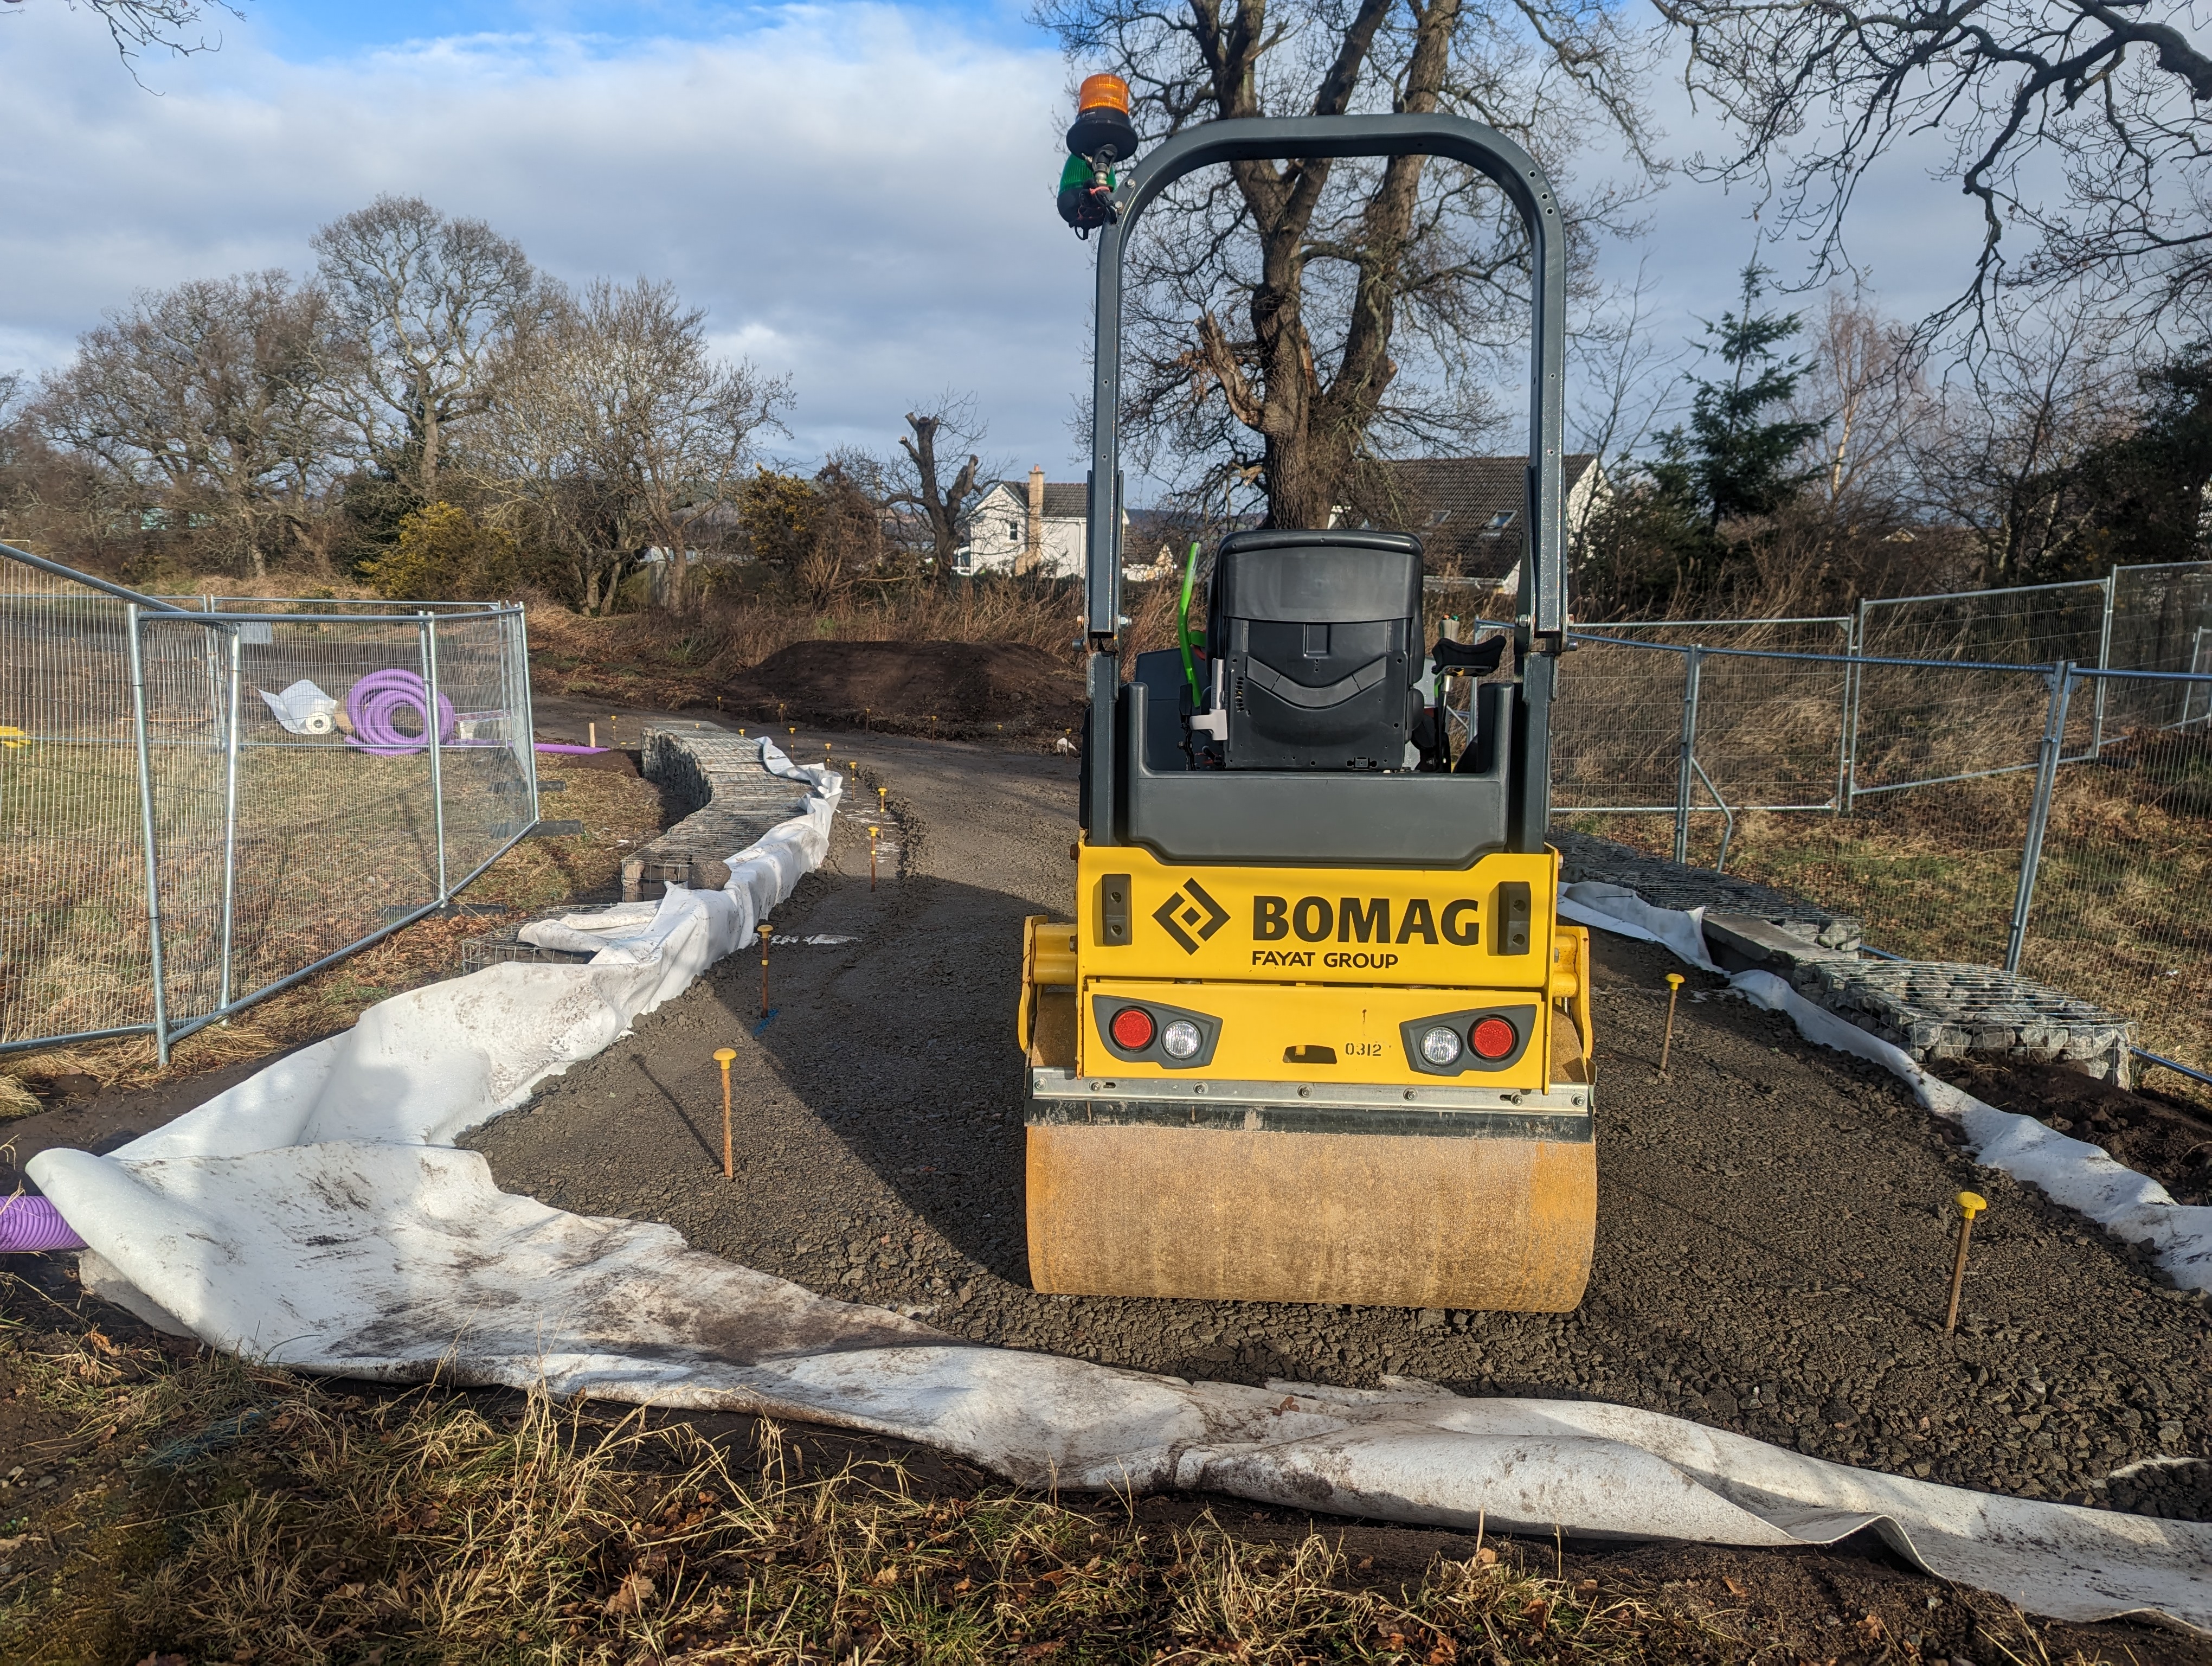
[
  {"x": 1492, "y": 1038},
  {"x": 1132, "y": 1029}
]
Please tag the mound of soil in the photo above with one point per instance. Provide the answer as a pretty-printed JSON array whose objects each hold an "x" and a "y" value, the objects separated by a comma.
[
  {"x": 954, "y": 691},
  {"x": 2146, "y": 1131}
]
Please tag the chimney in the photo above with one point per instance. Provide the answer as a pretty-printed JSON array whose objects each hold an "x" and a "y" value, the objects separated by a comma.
[{"x": 1033, "y": 552}]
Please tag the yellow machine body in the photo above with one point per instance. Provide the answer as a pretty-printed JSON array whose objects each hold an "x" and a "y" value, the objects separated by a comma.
[{"x": 1304, "y": 1151}]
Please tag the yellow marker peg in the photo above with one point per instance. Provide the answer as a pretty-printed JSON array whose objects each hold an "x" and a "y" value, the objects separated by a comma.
[
  {"x": 1673, "y": 992},
  {"x": 723, "y": 1055},
  {"x": 1970, "y": 1205}
]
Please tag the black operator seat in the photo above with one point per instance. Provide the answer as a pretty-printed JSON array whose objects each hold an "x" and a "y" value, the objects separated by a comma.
[{"x": 1317, "y": 640}]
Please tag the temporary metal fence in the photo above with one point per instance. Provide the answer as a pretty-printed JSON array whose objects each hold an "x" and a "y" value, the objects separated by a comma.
[
  {"x": 185, "y": 829},
  {"x": 1974, "y": 814}
]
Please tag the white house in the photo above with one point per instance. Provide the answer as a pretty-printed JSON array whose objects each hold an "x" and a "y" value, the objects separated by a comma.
[{"x": 1034, "y": 527}]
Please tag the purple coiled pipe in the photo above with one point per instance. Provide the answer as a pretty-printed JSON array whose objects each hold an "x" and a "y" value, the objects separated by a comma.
[{"x": 377, "y": 699}]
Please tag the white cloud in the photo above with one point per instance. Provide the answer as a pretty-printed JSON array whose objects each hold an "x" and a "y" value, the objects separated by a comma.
[{"x": 860, "y": 196}]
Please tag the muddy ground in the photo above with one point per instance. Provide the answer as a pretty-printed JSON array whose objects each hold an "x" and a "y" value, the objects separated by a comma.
[{"x": 1774, "y": 1231}]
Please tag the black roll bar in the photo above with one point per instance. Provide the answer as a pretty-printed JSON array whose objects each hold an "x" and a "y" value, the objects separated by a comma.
[{"x": 1541, "y": 621}]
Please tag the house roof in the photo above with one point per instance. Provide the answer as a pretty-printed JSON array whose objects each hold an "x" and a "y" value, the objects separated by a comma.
[
  {"x": 1467, "y": 511},
  {"x": 1062, "y": 501}
]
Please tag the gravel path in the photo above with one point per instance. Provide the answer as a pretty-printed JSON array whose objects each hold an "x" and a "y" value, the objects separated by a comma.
[{"x": 1773, "y": 1245}]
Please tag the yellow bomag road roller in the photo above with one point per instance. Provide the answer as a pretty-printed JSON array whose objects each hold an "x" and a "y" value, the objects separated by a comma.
[{"x": 1316, "y": 1033}]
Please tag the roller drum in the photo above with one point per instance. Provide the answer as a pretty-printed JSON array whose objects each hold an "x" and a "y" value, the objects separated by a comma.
[{"x": 1391, "y": 1220}]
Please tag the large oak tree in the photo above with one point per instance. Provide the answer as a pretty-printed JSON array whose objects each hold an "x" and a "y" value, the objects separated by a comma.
[{"x": 1287, "y": 321}]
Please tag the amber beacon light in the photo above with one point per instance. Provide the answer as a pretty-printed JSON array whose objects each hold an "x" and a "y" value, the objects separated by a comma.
[{"x": 1101, "y": 136}]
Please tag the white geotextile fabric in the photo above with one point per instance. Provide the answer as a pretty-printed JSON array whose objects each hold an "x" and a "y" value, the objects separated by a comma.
[
  {"x": 313, "y": 1216},
  {"x": 302, "y": 709},
  {"x": 2068, "y": 1171}
]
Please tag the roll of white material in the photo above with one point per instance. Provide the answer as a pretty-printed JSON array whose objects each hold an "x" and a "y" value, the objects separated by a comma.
[{"x": 302, "y": 709}]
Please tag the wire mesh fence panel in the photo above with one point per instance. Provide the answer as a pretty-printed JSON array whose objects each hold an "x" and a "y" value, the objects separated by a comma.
[
  {"x": 1917, "y": 725},
  {"x": 279, "y": 772},
  {"x": 1617, "y": 727},
  {"x": 337, "y": 824},
  {"x": 2122, "y": 911},
  {"x": 486, "y": 779},
  {"x": 2032, "y": 625},
  {"x": 1770, "y": 732},
  {"x": 1929, "y": 874},
  {"x": 2161, "y": 620},
  {"x": 74, "y": 940},
  {"x": 1831, "y": 635}
]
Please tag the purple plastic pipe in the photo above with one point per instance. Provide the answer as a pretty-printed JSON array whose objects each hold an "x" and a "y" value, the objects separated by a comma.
[
  {"x": 31, "y": 1223},
  {"x": 377, "y": 700}
]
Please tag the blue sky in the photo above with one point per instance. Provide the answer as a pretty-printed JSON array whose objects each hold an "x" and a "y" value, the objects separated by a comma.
[
  {"x": 311, "y": 29},
  {"x": 859, "y": 193}
]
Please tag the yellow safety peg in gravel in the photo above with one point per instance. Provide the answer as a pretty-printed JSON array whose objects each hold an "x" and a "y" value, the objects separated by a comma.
[
  {"x": 723, "y": 1055},
  {"x": 1673, "y": 992},
  {"x": 1970, "y": 1205}
]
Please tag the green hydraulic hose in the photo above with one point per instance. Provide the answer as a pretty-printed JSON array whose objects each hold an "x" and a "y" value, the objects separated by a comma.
[{"x": 1182, "y": 624}]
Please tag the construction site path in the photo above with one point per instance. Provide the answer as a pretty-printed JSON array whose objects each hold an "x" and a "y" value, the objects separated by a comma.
[{"x": 1774, "y": 1230}]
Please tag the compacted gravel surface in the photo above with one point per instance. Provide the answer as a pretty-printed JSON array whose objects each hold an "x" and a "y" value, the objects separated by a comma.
[{"x": 1774, "y": 1229}]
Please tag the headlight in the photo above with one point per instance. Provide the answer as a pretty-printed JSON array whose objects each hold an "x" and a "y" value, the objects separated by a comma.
[
  {"x": 1440, "y": 1045},
  {"x": 1181, "y": 1039}
]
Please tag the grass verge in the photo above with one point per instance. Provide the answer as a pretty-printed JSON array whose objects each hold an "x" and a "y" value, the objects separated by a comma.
[{"x": 258, "y": 1516}]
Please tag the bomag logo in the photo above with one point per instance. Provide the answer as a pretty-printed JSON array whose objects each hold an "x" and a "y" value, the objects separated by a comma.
[
  {"x": 1365, "y": 920},
  {"x": 1191, "y": 907}
]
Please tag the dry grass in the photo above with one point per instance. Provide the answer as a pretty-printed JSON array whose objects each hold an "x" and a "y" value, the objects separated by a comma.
[
  {"x": 2122, "y": 913},
  {"x": 618, "y": 811},
  {"x": 263, "y": 1517}
]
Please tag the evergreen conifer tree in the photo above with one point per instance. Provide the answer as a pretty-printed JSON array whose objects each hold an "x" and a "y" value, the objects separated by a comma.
[{"x": 1733, "y": 461}]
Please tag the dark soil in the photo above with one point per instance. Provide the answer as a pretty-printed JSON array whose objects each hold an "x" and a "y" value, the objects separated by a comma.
[
  {"x": 81, "y": 1115},
  {"x": 2167, "y": 1138},
  {"x": 943, "y": 691},
  {"x": 1774, "y": 1225}
]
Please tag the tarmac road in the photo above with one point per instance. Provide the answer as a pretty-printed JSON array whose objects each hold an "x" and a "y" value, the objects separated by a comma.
[{"x": 1773, "y": 1245}]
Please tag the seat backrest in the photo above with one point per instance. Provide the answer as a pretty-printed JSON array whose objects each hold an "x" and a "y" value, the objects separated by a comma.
[{"x": 1320, "y": 635}]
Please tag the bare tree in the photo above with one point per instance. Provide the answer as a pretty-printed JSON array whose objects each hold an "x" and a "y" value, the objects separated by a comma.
[
  {"x": 1999, "y": 452},
  {"x": 171, "y": 25},
  {"x": 425, "y": 300},
  {"x": 1295, "y": 317},
  {"x": 950, "y": 419},
  {"x": 2110, "y": 96},
  {"x": 209, "y": 392},
  {"x": 620, "y": 431},
  {"x": 1865, "y": 384}
]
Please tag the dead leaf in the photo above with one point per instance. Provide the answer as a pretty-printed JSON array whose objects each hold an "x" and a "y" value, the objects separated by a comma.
[
  {"x": 1587, "y": 1587},
  {"x": 1735, "y": 1589},
  {"x": 886, "y": 1576},
  {"x": 631, "y": 1596},
  {"x": 1871, "y": 1626},
  {"x": 1444, "y": 1653},
  {"x": 965, "y": 1584},
  {"x": 1289, "y": 1405},
  {"x": 1486, "y": 1557}
]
